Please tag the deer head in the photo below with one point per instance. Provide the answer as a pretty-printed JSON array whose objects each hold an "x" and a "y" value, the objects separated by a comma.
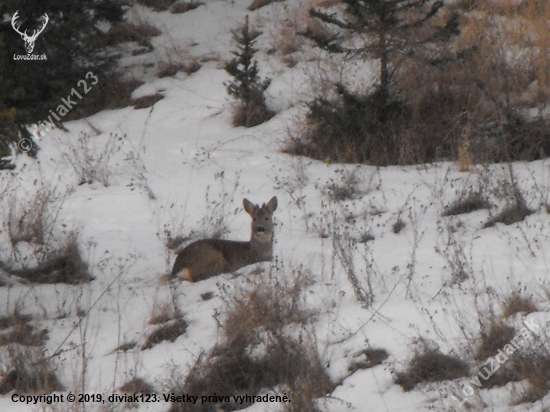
[{"x": 29, "y": 40}]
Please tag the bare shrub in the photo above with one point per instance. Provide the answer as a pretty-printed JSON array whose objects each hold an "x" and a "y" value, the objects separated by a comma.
[
  {"x": 494, "y": 339},
  {"x": 90, "y": 160},
  {"x": 431, "y": 366},
  {"x": 185, "y": 6},
  {"x": 26, "y": 370},
  {"x": 30, "y": 220},
  {"x": 258, "y": 352}
]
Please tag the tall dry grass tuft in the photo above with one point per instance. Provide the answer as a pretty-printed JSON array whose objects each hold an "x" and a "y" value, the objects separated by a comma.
[{"x": 265, "y": 347}]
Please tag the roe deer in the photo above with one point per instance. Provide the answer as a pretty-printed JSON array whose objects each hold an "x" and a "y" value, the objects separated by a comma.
[{"x": 210, "y": 257}]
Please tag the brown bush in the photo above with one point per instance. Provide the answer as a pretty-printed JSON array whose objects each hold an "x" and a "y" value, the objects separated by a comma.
[
  {"x": 469, "y": 202},
  {"x": 431, "y": 366},
  {"x": 64, "y": 265},
  {"x": 25, "y": 370},
  {"x": 530, "y": 365},
  {"x": 494, "y": 339},
  {"x": 518, "y": 304},
  {"x": 137, "y": 385},
  {"x": 256, "y": 354}
]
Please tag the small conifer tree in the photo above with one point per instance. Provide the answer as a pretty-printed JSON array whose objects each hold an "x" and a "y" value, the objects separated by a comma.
[
  {"x": 389, "y": 31},
  {"x": 247, "y": 87}
]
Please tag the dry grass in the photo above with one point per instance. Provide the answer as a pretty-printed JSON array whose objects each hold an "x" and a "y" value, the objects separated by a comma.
[
  {"x": 26, "y": 371},
  {"x": 494, "y": 339},
  {"x": 530, "y": 365},
  {"x": 125, "y": 347},
  {"x": 169, "y": 331},
  {"x": 431, "y": 366},
  {"x": 190, "y": 66},
  {"x": 16, "y": 329},
  {"x": 31, "y": 222},
  {"x": 468, "y": 203},
  {"x": 147, "y": 101},
  {"x": 258, "y": 353},
  {"x": 510, "y": 215},
  {"x": 137, "y": 385},
  {"x": 370, "y": 358},
  {"x": 518, "y": 304},
  {"x": 64, "y": 265},
  {"x": 185, "y": 6},
  {"x": 256, "y": 4},
  {"x": 163, "y": 314}
]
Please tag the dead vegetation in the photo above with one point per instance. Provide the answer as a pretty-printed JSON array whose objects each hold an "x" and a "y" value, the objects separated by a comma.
[
  {"x": 64, "y": 265},
  {"x": 257, "y": 353},
  {"x": 431, "y": 366},
  {"x": 474, "y": 104},
  {"x": 168, "y": 331},
  {"x": 137, "y": 385},
  {"x": 147, "y": 101},
  {"x": 468, "y": 203},
  {"x": 496, "y": 337},
  {"x": 368, "y": 358},
  {"x": 516, "y": 303},
  {"x": 185, "y": 6},
  {"x": 25, "y": 370}
]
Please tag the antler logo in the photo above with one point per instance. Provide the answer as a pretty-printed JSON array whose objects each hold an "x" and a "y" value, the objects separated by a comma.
[{"x": 29, "y": 40}]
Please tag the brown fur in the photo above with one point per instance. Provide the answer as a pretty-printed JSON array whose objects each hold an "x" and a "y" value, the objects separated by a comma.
[{"x": 210, "y": 257}]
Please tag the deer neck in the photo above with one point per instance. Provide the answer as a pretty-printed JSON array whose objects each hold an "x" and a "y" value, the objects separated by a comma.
[{"x": 262, "y": 247}]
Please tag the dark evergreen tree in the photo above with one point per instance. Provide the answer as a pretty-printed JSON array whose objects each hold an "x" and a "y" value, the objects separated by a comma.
[
  {"x": 247, "y": 86},
  {"x": 73, "y": 45},
  {"x": 389, "y": 30}
]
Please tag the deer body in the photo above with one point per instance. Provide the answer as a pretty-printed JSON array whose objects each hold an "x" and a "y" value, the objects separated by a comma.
[{"x": 210, "y": 257}]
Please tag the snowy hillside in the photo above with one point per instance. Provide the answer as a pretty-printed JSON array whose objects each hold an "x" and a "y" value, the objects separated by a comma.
[{"x": 374, "y": 271}]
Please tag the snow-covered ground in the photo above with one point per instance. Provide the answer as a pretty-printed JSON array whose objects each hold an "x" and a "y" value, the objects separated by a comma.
[{"x": 180, "y": 165}]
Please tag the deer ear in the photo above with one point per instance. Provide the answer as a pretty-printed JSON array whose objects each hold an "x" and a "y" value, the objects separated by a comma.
[
  {"x": 272, "y": 204},
  {"x": 249, "y": 207}
]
